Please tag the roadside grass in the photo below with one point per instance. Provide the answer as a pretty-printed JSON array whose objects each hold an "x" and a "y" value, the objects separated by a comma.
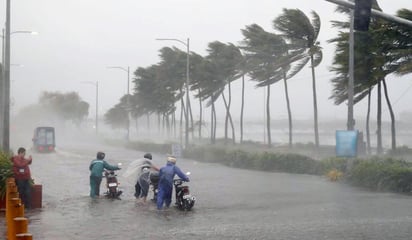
[{"x": 389, "y": 172}]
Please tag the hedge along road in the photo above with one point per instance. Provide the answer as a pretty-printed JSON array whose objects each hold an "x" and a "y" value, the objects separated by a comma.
[{"x": 231, "y": 204}]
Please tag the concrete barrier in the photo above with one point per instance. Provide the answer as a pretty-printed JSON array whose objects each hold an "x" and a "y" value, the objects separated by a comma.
[{"x": 17, "y": 224}]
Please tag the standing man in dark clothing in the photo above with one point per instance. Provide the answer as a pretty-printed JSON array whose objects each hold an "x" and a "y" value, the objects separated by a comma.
[
  {"x": 96, "y": 170},
  {"x": 22, "y": 176}
]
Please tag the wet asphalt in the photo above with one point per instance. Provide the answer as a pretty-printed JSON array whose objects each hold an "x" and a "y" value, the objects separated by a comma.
[{"x": 231, "y": 204}]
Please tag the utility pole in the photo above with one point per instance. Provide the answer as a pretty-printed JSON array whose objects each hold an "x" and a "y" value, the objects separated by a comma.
[
  {"x": 351, "y": 121},
  {"x": 6, "y": 112}
]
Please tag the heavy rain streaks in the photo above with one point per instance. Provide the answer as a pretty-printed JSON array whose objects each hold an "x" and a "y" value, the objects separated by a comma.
[{"x": 231, "y": 204}]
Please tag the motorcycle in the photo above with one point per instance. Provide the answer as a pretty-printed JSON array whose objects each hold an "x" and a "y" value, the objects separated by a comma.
[
  {"x": 112, "y": 184},
  {"x": 154, "y": 182},
  {"x": 184, "y": 200}
]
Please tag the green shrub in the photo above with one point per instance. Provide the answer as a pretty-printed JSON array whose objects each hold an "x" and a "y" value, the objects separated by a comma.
[
  {"x": 264, "y": 161},
  {"x": 386, "y": 174},
  {"x": 5, "y": 172},
  {"x": 382, "y": 174}
]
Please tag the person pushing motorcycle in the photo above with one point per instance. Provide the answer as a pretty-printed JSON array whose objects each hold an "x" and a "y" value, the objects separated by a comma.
[
  {"x": 166, "y": 175},
  {"x": 96, "y": 168},
  {"x": 143, "y": 177}
]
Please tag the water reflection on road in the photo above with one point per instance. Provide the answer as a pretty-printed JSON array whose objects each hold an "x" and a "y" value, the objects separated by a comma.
[{"x": 231, "y": 204}]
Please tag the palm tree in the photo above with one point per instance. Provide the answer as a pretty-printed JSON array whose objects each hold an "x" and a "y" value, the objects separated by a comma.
[
  {"x": 302, "y": 33},
  {"x": 209, "y": 88},
  {"x": 388, "y": 51},
  {"x": 403, "y": 45},
  {"x": 196, "y": 69},
  {"x": 224, "y": 59},
  {"x": 243, "y": 70},
  {"x": 116, "y": 116},
  {"x": 261, "y": 52},
  {"x": 156, "y": 91}
]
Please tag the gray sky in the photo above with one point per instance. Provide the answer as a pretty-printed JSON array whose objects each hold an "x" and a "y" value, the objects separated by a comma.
[{"x": 78, "y": 39}]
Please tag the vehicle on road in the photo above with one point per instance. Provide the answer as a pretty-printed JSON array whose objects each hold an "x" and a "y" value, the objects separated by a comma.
[
  {"x": 112, "y": 185},
  {"x": 44, "y": 140},
  {"x": 154, "y": 182},
  {"x": 184, "y": 200}
]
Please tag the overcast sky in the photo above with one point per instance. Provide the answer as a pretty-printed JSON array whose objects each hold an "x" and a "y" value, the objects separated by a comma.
[{"x": 78, "y": 39}]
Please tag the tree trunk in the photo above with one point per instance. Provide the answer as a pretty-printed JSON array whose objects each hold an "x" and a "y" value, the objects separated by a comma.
[
  {"x": 148, "y": 123},
  {"x": 315, "y": 104},
  {"x": 379, "y": 121},
  {"x": 393, "y": 129},
  {"x": 229, "y": 117},
  {"x": 191, "y": 120},
  {"x": 200, "y": 115},
  {"x": 174, "y": 124},
  {"x": 159, "y": 128},
  {"x": 288, "y": 107},
  {"x": 182, "y": 107},
  {"x": 368, "y": 134},
  {"x": 226, "y": 115},
  {"x": 242, "y": 108},
  {"x": 268, "y": 117},
  {"x": 213, "y": 124},
  {"x": 137, "y": 125}
]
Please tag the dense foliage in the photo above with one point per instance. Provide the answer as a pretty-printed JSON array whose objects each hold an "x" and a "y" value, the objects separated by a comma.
[
  {"x": 5, "y": 172},
  {"x": 380, "y": 174}
]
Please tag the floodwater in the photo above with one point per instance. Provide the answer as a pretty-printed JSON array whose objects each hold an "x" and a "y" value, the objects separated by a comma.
[{"x": 231, "y": 204}]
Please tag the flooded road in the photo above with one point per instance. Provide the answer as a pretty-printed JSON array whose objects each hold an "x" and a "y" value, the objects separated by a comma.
[{"x": 231, "y": 204}]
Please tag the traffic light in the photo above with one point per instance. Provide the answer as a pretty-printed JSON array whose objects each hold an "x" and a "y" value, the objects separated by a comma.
[{"x": 362, "y": 14}]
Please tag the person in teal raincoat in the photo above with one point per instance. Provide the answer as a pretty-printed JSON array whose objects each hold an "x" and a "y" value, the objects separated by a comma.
[{"x": 96, "y": 169}]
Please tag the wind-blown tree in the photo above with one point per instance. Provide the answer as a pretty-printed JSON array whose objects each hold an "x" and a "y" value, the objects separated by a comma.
[
  {"x": 287, "y": 60},
  {"x": 402, "y": 47},
  {"x": 303, "y": 32},
  {"x": 173, "y": 75},
  {"x": 261, "y": 50},
  {"x": 243, "y": 70},
  {"x": 196, "y": 70},
  {"x": 66, "y": 106},
  {"x": 225, "y": 58},
  {"x": 156, "y": 91},
  {"x": 143, "y": 100},
  {"x": 209, "y": 87},
  {"x": 387, "y": 48},
  {"x": 116, "y": 116}
]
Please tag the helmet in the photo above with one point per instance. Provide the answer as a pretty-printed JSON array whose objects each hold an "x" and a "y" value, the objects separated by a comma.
[
  {"x": 171, "y": 159},
  {"x": 148, "y": 156},
  {"x": 100, "y": 155}
]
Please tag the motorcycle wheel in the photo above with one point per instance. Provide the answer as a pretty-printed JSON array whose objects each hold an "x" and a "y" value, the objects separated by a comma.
[{"x": 187, "y": 204}]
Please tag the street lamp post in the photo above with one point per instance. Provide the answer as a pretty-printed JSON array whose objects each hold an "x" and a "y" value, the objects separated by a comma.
[
  {"x": 187, "y": 84},
  {"x": 96, "y": 84},
  {"x": 127, "y": 70},
  {"x": 6, "y": 102}
]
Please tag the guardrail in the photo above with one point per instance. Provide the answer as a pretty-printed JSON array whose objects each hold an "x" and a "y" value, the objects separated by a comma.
[{"x": 17, "y": 224}]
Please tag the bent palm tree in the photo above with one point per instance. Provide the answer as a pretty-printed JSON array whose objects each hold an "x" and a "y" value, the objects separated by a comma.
[{"x": 302, "y": 33}]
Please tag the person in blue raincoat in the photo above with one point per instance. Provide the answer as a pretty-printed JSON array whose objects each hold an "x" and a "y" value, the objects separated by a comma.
[
  {"x": 166, "y": 175},
  {"x": 96, "y": 169}
]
